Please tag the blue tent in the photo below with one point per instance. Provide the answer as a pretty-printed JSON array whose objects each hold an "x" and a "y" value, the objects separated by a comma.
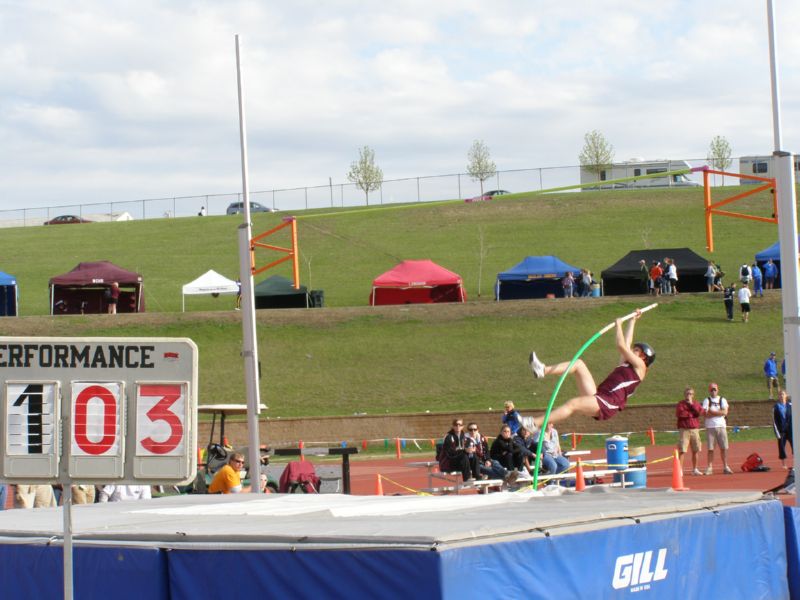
[
  {"x": 534, "y": 277},
  {"x": 774, "y": 253},
  {"x": 8, "y": 295}
]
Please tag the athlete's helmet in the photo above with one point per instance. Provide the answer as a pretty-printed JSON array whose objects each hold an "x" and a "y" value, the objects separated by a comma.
[{"x": 647, "y": 350}]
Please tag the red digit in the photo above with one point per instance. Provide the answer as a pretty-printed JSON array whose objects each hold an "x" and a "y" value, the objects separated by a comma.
[
  {"x": 160, "y": 412},
  {"x": 109, "y": 419}
]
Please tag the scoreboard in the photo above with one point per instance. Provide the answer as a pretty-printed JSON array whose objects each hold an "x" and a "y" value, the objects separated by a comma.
[{"x": 98, "y": 410}]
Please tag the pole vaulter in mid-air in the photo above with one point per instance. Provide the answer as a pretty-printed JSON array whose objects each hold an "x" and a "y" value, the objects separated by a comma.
[{"x": 602, "y": 401}]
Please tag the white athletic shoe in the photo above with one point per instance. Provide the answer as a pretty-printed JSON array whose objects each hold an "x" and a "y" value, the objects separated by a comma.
[
  {"x": 537, "y": 366},
  {"x": 709, "y": 471},
  {"x": 696, "y": 472}
]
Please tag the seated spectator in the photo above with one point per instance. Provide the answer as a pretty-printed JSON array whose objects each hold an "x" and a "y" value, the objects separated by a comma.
[
  {"x": 511, "y": 417},
  {"x": 505, "y": 451},
  {"x": 527, "y": 447},
  {"x": 33, "y": 496},
  {"x": 487, "y": 466},
  {"x": 122, "y": 493},
  {"x": 228, "y": 480},
  {"x": 459, "y": 453},
  {"x": 553, "y": 461}
]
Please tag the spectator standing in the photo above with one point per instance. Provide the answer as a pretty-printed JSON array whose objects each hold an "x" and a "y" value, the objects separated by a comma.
[
  {"x": 113, "y": 298},
  {"x": 238, "y": 294},
  {"x": 688, "y": 412},
  {"x": 715, "y": 408},
  {"x": 711, "y": 275},
  {"x": 505, "y": 451},
  {"x": 459, "y": 453},
  {"x": 586, "y": 280},
  {"x": 511, "y": 417},
  {"x": 770, "y": 274},
  {"x": 34, "y": 496},
  {"x": 744, "y": 301},
  {"x": 782, "y": 425},
  {"x": 228, "y": 479},
  {"x": 123, "y": 493},
  {"x": 644, "y": 273},
  {"x": 568, "y": 283},
  {"x": 758, "y": 288},
  {"x": 202, "y": 212},
  {"x": 728, "y": 294},
  {"x": 666, "y": 288},
  {"x": 487, "y": 467},
  {"x": 553, "y": 460},
  {"x": 771, "y": 373},
  {"x": 3, "y": 495},
  {"x": 655, "y": 278},
  {"x": 745, "y": 275},
  {"x": 672, "y": 273}
]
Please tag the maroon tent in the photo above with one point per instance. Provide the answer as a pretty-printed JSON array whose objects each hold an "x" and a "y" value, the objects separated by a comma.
[
  {"x": 83, "y": 290},
  {"x": 417, "y": 282}
]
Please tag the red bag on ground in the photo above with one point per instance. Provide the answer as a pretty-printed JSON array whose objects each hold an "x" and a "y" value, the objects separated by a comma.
[{"x": 752, "y": 463}]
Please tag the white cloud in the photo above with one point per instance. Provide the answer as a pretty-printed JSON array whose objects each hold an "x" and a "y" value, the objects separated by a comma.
[{"x": 104, "y": 99}]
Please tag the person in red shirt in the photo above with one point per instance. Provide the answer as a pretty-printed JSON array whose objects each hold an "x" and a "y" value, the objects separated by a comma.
[
  {"x": 688, "y": 412},
  {"x": 656, "y": 272}
]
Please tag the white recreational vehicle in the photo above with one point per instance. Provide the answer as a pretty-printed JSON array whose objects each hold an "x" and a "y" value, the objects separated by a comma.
[
  {"x": 761, "y": 166},
  {"x": 637, "y": 168}
]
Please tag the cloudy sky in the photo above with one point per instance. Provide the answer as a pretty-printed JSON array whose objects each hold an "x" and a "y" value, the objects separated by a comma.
[{"x": 104, "y": 100}]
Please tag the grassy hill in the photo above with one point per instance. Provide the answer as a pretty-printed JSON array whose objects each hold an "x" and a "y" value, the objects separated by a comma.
[{"x": 353, "y": 358}]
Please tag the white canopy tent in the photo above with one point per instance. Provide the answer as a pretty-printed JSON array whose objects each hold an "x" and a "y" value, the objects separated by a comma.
[{"x": 209, "y": 282}]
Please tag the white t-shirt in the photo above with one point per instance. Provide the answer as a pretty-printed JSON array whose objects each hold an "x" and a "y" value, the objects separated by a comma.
[
  {"x": 122, "y": 493},
  {"x": 718, "y": 403},
  {"x": 744, "y": 295}
]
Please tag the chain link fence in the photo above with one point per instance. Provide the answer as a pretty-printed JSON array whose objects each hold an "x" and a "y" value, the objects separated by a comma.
[{"x": 459, "y": 186}]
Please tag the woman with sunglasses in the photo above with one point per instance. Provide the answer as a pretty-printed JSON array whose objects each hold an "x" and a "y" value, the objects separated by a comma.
[
  {"x": 458, "y": 453},
  {"x": 488, "y": 467}
]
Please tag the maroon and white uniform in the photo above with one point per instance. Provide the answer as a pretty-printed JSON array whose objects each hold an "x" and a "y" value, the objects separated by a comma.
[{"x": 612, "y": 394}]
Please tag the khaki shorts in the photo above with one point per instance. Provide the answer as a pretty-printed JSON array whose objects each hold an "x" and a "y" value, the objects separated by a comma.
[
  {"x": 717, "y": 436},
  {"x": 689, "y": 437}
]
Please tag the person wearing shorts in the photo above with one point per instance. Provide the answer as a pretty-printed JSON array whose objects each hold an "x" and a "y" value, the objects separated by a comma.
[
  {"x": 688, "y": 412},
  {"x": 715, "y": 408},
  {"x": 610, "y": 397},
  {"x": 744, "y": 301}
]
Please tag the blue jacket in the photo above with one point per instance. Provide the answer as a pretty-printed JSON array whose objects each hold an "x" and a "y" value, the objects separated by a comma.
[
  {"x": 782, "y": 419},
  {"x": 513, "y": 420},
  {"x": 770, "y": 368}
]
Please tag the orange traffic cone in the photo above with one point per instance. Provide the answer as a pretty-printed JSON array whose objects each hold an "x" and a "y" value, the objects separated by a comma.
[
  {"x": 574, "y": 441},
  {"x": 580, "y": 482},
  {"x": 651, "y": 434},
  {"x": 301, "y": 446},
  {"x": 378, "y": 485},
  {"x": 397, "y": 448},
  {"x": 677, "y": 474}
]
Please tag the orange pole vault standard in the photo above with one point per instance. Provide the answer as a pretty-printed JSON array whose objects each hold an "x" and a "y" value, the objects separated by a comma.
[
  {"x": 291, "y": 253},
  {"x": 713, "y": 208}
]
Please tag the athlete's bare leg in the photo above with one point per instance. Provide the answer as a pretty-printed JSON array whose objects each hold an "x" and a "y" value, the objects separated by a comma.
[
  {"x": 580, "y": 405},
  {"x": 583, "y": 378}
]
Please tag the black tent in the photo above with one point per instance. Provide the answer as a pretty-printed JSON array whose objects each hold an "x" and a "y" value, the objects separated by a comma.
[
  {"x": 625, "y": 276},
  {"x": 278, "y": 292}
]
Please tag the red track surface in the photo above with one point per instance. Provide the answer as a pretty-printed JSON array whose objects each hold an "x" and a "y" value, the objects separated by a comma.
[{"x": 396, "y": 474}]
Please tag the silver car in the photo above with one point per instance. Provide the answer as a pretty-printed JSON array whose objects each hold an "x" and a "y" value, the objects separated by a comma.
[{"x": 235, "y": 208}]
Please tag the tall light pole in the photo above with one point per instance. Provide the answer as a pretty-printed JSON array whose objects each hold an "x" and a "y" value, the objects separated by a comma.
[
  {"x": 787, "y": 232},
  {"x": 249, "y": 342}
]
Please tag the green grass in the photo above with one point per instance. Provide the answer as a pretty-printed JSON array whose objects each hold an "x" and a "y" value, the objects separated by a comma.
[{"x": 354, "y": 358}]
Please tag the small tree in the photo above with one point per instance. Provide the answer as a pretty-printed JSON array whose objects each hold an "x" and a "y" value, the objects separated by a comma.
[
  {"x": 480, "y": 166},
  {"x": 719, "y": 154},
  {"x": 597, "y": 154},
  {"x": 365, "y": 173}
]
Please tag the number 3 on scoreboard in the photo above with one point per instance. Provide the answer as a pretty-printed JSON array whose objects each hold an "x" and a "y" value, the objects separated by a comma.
[{"x": 160, "y": 419}]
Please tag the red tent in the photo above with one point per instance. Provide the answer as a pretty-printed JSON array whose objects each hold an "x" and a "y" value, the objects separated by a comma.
[
  {"x": 82, "y": 290},
  {"x": 417, "y": 282}
]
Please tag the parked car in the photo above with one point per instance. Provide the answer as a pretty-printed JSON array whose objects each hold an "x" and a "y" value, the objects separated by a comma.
[
  {"x": 65, "y": 220},
  {"x": 235, "y": 208},
  {"x": 487, "y": 196}
]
